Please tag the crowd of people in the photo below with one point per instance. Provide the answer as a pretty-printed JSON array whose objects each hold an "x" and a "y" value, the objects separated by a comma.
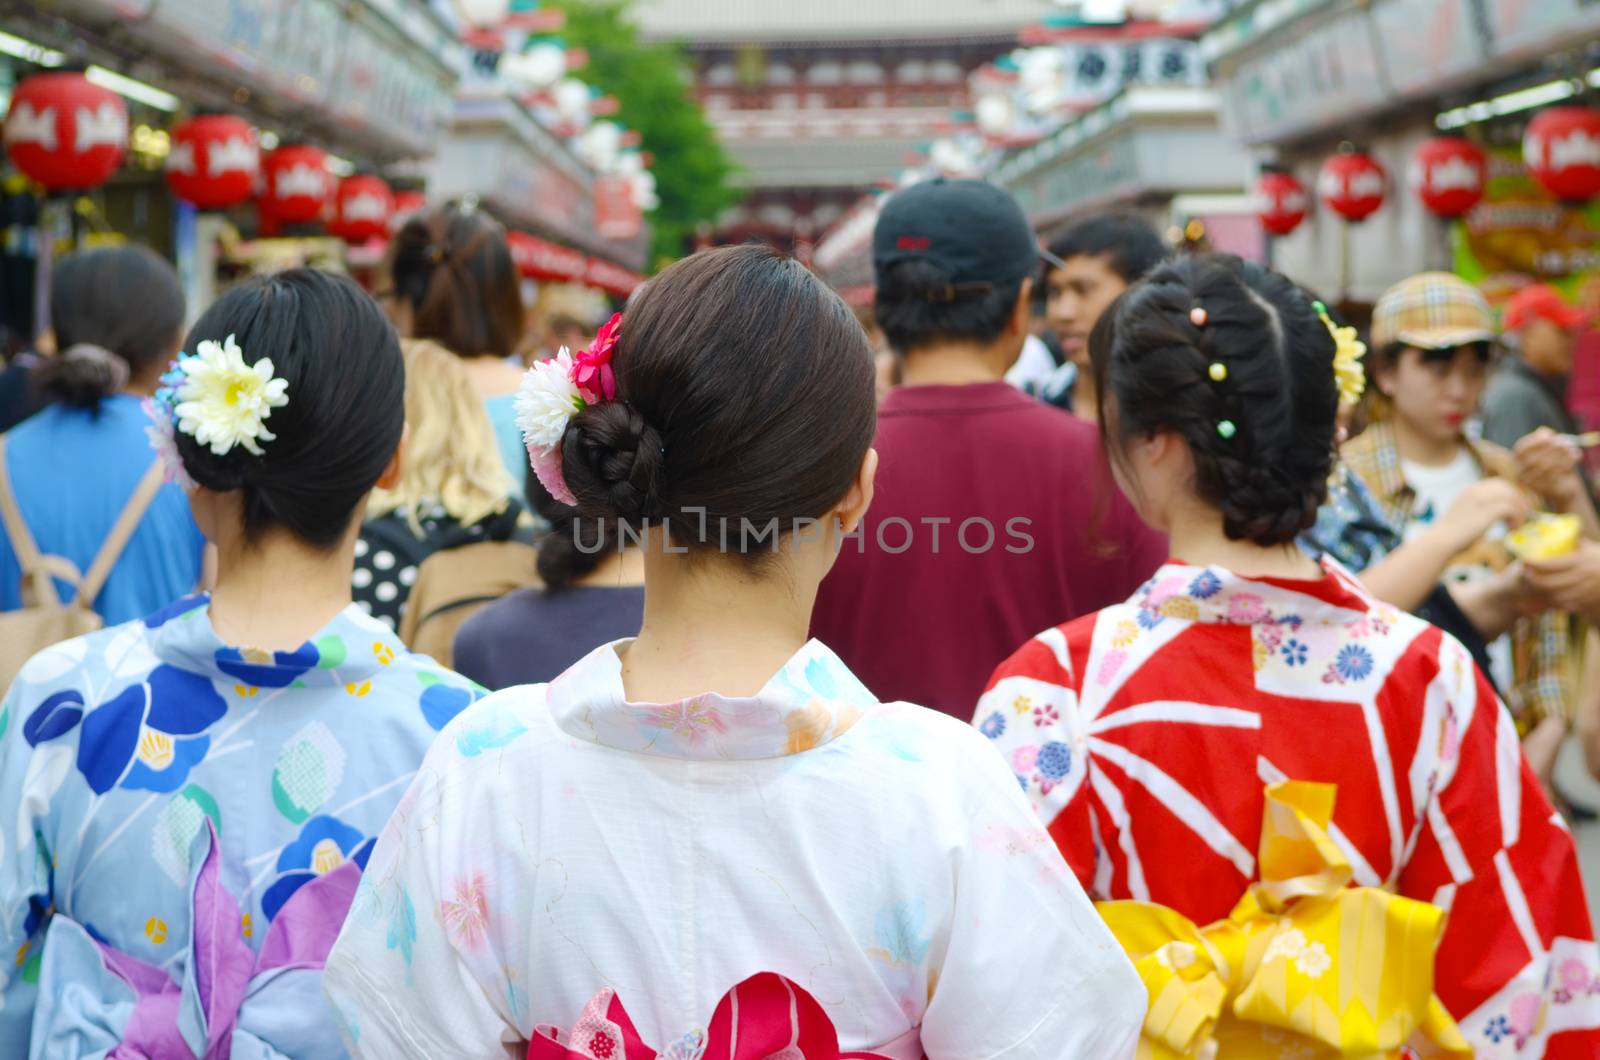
[{"x": 1128, "y": 658}]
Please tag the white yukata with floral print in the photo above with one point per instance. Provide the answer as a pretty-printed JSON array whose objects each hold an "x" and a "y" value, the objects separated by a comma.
[{"x": 560, "y": 840}]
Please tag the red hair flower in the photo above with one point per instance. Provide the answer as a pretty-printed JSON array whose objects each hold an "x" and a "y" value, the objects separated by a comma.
[{"x": 591, "y": 368}]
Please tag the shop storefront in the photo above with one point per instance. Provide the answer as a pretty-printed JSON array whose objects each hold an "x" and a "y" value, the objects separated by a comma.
[{"x": 1303, "y": 80}]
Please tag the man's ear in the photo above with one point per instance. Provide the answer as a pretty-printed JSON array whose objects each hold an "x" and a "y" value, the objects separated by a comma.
[{"x": 1022, "y": 313}]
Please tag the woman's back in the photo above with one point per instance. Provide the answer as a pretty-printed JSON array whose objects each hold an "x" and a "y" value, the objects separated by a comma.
[
  {"x": 122, "y": 746},
  {"x": 878, "y": 855},
  {"x": 72, "y": 472}
]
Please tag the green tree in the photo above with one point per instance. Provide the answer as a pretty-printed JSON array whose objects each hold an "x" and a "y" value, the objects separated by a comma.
[{"x": 652, "y": 84}]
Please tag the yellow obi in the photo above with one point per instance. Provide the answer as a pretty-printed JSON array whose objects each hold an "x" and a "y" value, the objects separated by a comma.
[{"x": 1304, "y": 966}]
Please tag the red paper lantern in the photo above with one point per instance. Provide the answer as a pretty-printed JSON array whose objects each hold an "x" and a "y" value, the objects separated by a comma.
[
  {"x": 65, "y": 132},
  {"x": 1562, "y": 151},
  {"x": 214, "y": 161},
  {"x": 362, "y": 209},
  {"x": 1448, "y": 174},
  {"x": 1352, "y": 185},
  {"x": 407, "y": 204},
  {"x": 298, "y": 184},
  {"x": 1283, "y": 203}
]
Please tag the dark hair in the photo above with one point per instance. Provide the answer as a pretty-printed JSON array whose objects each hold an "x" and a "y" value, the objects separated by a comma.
[
  {"x": 329, "y": 340},
  {"x": 1130, "y": 246},
  {"x": 454, "y": 268},
  {"x": 117, "y": 313},
  {"x": 745, "y": 391},
  {"x": 916, "y": 306},
  {"x": 1271, "y": 476},
  {"x": 560, "y": 561}
]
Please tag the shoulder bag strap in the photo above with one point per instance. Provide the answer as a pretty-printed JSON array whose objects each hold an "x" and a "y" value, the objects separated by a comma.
[
  {"x": 121, "y": 531},
  {"x": 36, "y": 568}
]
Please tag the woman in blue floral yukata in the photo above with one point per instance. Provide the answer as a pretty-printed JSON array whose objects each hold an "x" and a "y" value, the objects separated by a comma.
[{"x": 187, "y": 801}]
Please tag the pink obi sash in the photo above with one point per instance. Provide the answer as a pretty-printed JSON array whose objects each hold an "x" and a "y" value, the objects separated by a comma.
[{"x": 766, "y": 1017}]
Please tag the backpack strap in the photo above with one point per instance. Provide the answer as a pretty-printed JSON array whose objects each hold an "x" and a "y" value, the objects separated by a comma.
[
  {"x": 37, "y": 569},
  {"x": 117, "y": 540}
]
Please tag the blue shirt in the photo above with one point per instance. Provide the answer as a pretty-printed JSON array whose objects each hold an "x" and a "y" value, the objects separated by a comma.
[
  {"x": 73, "y": 472},
  {"x": 508, "y": 436}
]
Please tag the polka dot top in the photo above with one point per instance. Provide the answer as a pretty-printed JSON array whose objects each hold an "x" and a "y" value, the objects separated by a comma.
[{"x": 389, "y": 552}]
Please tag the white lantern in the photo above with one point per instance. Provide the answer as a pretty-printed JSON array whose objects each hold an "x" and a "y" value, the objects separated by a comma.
[
  {"x": 572, "y": 101},
  {"x": 483, "y": 12},
  {"x": 539, "y": 67},
  {"x": 995, "y": 115}
]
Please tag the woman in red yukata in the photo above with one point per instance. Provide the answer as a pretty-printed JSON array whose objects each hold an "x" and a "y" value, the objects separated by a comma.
[{"x": 1304, "y": 813}]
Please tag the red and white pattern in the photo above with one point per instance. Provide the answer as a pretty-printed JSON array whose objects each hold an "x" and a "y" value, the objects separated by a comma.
[{"x": 1144, "y": 736}]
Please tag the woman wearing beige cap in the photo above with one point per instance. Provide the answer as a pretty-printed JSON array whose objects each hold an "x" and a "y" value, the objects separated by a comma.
[{"x": 1453, "y": 497}]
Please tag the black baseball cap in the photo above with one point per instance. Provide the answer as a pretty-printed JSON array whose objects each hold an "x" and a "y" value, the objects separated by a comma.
[{"x": 972, "y": 230}]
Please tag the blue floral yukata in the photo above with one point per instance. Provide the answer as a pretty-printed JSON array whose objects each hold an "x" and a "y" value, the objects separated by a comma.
[{"x": 164, "y": 798}]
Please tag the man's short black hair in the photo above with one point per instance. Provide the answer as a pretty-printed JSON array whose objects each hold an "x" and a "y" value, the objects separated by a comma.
[
  {"x": 916, "y": 306},
  {"x": 1130, "y": 246}
]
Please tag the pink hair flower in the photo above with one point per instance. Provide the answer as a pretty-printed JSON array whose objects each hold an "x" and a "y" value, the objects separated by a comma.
[{"x": 591, "y": 368}]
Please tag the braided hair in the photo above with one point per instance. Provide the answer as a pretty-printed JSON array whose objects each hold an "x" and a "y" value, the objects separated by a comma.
[{"x": 1261, "y": 426}]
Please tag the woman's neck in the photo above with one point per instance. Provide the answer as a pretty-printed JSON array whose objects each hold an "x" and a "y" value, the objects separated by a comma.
[
  {"x": 617, "y": 568},
  {"x": 491, "y": 376},
  {"x": 712, "y": 627},
  {"x": 1419, "y": 448},
  {"x": 1197, "y": 539},
  {"x": 276, "y": 593}
]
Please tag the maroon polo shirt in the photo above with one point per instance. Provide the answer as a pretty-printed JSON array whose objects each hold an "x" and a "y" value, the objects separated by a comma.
[{"x": 927, "y": 620}]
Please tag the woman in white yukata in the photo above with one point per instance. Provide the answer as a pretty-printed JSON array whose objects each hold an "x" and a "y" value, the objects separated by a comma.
[{"x": 711, "y": 841}]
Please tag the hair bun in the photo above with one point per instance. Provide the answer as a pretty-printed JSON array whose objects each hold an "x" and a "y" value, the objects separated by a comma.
[
  {"x": 612, "y": 460},
  {"x": 1264, "y": 504}
]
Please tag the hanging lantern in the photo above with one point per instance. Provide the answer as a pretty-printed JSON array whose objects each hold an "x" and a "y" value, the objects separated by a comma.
[
  {"x": 1562, "y": 150},
  {"x": 1352, "y": 185},
  {"x": 407, "y": 204},
  {"x": 1449, "y": 174},
  {"x": 1283, "y": 202},
  {"x": 362, "y": 209},
  {"x": 214, "y": 161},
  {"x": 66, "y": 132},
  {"x": 298, "y": 184}
]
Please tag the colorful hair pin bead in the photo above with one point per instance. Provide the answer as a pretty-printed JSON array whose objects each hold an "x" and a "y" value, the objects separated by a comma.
[
  {"x": 1197, "y": 316},
  {"x": 1218, "y": 372},
  {"x": 1226, "y": 430}
]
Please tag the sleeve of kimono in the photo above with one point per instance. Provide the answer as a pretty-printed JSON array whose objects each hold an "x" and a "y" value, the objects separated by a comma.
[
  {"x": 28, "y": 778},
  {"x": 1030, "y": 971},
  {"x": 1030, "y": 712},
  {"x": 1517, "y": 966},
  {"x": 399, "y": 979}
]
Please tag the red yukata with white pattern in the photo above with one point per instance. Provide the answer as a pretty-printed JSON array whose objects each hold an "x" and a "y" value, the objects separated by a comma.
[{"x": 1145, "y": 734}]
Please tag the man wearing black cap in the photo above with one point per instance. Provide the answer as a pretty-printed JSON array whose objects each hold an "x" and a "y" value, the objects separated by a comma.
[{"x": 995, "y": 517}]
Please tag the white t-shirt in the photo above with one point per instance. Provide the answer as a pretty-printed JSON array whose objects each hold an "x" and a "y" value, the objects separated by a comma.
[{"x": 1437, "y": 489}]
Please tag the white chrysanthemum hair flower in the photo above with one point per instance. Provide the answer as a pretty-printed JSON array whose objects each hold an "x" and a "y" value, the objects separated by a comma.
[
  {"x": 546, "y": 401},
  {"x": 223, "y": 402}
]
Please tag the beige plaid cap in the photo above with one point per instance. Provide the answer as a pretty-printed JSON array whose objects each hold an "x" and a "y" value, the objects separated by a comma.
[{"x": 1432, "y": 311}]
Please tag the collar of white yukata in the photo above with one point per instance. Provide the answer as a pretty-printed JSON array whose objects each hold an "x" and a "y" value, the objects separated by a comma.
[
  {"x": 812, "y": 700},
  {"x": 347, "y": 651},
  {"x": 1215, "y": 595}
]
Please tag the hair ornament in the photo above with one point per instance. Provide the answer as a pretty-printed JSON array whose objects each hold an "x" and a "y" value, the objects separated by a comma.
[
  {"x": 1226, "y": 430},
  {"x": 1348, "y": 372},
  {"x": 216, "y": 398},
  {"x": 1198, "y": 316},
  {"x": 1218, "y": 372},
  {"x": 554, "y": 391}
]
